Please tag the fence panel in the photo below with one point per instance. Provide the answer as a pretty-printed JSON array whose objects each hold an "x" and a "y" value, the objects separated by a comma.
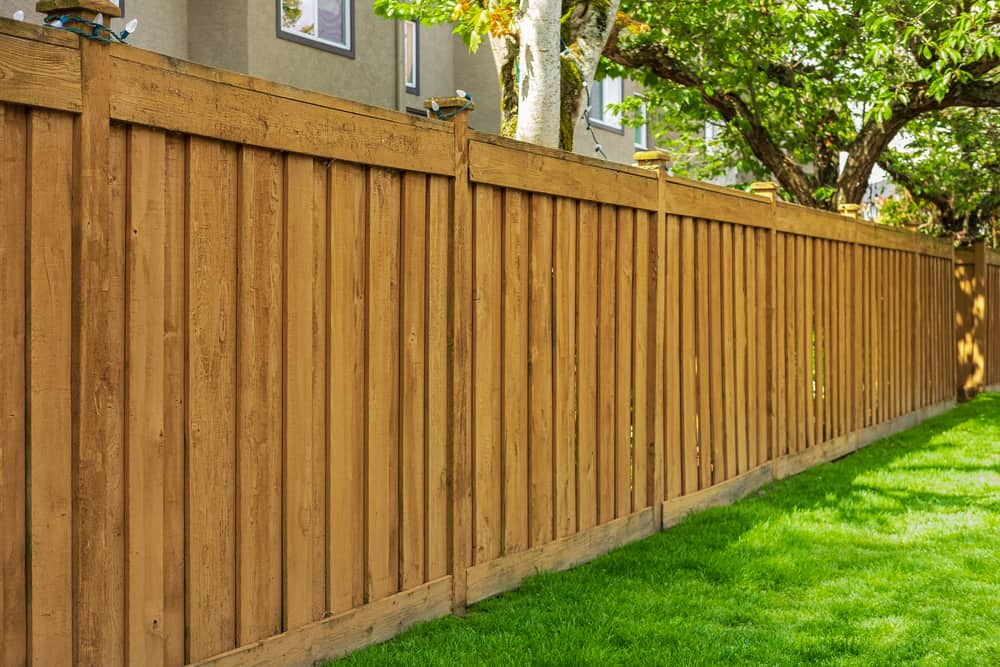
[{"x": 304, "y": 372}]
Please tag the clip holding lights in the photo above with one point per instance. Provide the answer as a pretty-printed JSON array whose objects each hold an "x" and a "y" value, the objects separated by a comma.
[{"x": 97, "y": 30}]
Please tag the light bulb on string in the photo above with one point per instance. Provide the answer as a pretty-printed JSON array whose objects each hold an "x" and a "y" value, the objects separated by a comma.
[
  {"x": 99, "y": 19},
  {"x": 130, "y": 27},
  {"x": 19, "y": 15}
]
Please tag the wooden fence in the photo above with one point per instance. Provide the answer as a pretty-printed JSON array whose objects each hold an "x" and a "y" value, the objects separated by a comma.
[
  {"x": 977, "y": 319},
  {"x": 281, "y": 375}
]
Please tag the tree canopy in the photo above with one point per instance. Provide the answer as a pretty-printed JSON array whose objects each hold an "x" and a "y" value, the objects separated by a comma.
[{"x": 795, "y": 84}]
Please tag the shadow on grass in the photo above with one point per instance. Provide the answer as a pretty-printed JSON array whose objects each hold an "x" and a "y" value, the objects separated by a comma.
[{"x": 889, "y": 556}]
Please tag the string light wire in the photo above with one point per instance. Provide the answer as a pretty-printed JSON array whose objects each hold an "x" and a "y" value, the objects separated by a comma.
[{"x": 93, "y": 30}]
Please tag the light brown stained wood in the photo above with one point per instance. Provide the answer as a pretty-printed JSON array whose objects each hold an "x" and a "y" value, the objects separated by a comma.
[
  {"x": 301, "y": 448},
  {"x": 587, "y": 373},
  {"x": 857, "y": 363},
  {"x": 515, "y": 372},
  {"x": 689, "y": 198},
  {"x": 439, "y": 220},
  {"x": 40, "y": 75},
  {"x": 505, "y": 574},
  {"x": 259, "y": 369},
  {"x": 819, "y": 284},
  {"x": 804, "y": 335},
  {"x": 348, "y": 289},
  {"x": 51, "y": 513},
  {"x": 565, "y": 397},
  {"x": 540, "y": 369},
  {"x": 339, "y": 634},
  {"x": 752, "y": 316},
  {"x": 844, "y": 290},
  {"x": 606, "y": 363},
  {"x": 673, "y": 360},
  {"x": 703, "y": 335},
  {"x": 145, "y": 383},
  {"x": 319, "y": 285},
  {"x": 911, "y": 380},
  {"x": 879, "y": 287},
  {"x": 740, "y": 394},
  {"x": 780, "y": 445},
  {"x": 99, "y": 328},
  {"x": 809, "y": 379},
  {"x": 730, "y": 394},
  {"x": 716, "y": 334},
  {"x": 174, "y": 396},
  {"x": 688, "y": 360},
  {"x": 487, "y": 380},
  {"x": 839, "y": 390},
  {"x": 414, "y": 376},
  {"x": 211, "y": 391},
  {"x": 524, "y": 168},
  {"x": 13, "y": 399},
  {"x": 765, "y": 320},
  {"x": 624, "y": 370},
  {"x": 382, "y": 529},
  {"x": 162, "y": 95},
  {"x": 642, "y": 445}
]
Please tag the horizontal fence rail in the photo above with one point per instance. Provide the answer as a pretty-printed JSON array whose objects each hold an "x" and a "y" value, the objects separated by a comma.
[{"x": 281, "y": 375}]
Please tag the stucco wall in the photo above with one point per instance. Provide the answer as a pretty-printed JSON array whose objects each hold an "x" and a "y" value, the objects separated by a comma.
[
  {"x": 369, "y": 77},
  {"x": 162, "y": 23},
  {"x": 477, "y": 74},
  {"x": 437, "y": 67}
]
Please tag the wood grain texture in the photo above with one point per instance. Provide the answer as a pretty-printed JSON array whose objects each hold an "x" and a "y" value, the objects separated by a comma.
[
  {"x": 565, "y": 396},
  {"x": 49, "y": 280},
  {"x": 624, "y": 376},
  {"x": 541, "y": 365},
  {"x": 40, "y": 75},
  {"x": 587, "y": 337},
  {"x": 606, "y": 362},
  {"x": 211, "y": 460},
  {"x": 145, "y": 382},
  {"x": 13, "y": 383}
]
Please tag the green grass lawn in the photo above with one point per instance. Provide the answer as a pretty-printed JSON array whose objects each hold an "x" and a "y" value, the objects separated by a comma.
[{"x": 888, "y": 557}]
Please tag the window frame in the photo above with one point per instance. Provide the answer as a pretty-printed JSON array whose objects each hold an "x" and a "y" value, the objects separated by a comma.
[
  {"x": 415, "y": 88},
  {"x": 316, "y": 42},
  {"x": 600, "y": 122},
  {"x": 644, "y": 128}
]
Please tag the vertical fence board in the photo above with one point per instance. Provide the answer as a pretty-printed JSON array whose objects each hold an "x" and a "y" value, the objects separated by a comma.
[
  {"x": 809, "y": 367},
  {"x": 728, "y": 335},
  {"x": 606, "y": 363},
  {"x": 689, "y": 359},
  {"x": 565, "y": 396},
  {"x": 316, "y": 526},
  {"x": 780, "y": 330},
  {"x": 587, "y": 365},
  {"x": 717, "y": 371},
  {"x": 515, "y": 372},
  {"x": 541, "y": 367},
  {"x": 765, "y": 315},
  {"x": 674, "y": 360},
  {"x": 703, "y": 335},
  {"x": 13, "y": 431},
  {"x": 486, "y": 379},
  {"x": 439, "y": 213},
  {"x": 211, "y": 462},
  {"x": 145, "y": 383},
  {"x": 413, "y": 398},
  {"x": 259, "y": 405},
  {"x": 739, "y": 391},
  {"x": 382, "y": 517},
  {"x": 301, "y": 448},
  {"x": 624, "y": 371},
  {"x": 641, "y": 433},
  {"x": 752, "y": 342},
  {"x": 348, "y": 239},
  {"x": 175, "y": 399}
]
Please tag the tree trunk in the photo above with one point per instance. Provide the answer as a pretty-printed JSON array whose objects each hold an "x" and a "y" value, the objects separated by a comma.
[{"x": 541, "y": 73}]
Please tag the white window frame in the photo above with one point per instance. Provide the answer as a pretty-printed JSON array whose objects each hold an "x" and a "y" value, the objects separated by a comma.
[
  {"x": 602, "y": 117},
  {"x": 642, "y": 130},
  {"x": 411, "y": 50},
  {"x": 345, "y": 49}
]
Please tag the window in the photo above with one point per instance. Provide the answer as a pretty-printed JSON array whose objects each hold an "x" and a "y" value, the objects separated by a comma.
[
  {"x": 602, "y": 94},
  {"x": 641, "y": 131},
  {"x": 411, "y": 57},
  {"x": 325, "y": 24}
]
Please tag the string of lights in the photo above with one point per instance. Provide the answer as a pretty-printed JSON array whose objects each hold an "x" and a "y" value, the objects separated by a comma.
[
  {"x": 587, "y": 108},
  {"x": 94, "y": 30},
  {"x": 436, "y": 108}
]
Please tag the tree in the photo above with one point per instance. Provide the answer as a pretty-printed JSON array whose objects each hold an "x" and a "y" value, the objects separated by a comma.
[
  {"x": 545, "y": 51},
  {"x": 795, "y": 84},
  {"x": 949, "y": 168}
]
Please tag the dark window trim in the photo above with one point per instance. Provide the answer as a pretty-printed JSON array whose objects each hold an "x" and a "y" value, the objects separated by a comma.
[
  {"x": 417, "y": 112},
  {"x": 415, "y": 88},
  {"x": 315, "y": 43},
  {"x": 608, "y": 128}
]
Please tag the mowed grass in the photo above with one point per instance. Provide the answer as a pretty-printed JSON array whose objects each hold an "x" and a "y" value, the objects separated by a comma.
[{"x": 890, "y": 556}]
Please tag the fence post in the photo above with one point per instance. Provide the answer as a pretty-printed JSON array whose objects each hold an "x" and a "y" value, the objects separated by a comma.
[
  {"x": 98, "y": 325},
  {"x": 459, "y": 347},
  {"x": 970, "y": 314},
  {"x": 770, "y": 191},
  {"x": 661, "y": 315}
]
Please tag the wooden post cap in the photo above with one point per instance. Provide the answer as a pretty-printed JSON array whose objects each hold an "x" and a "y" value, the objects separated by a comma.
[
  {"x": 765, "y": 189},
  {"x": 651, "y": 159},
  {"x": 849, "y": 210},
  {"x": 448, "y": 106},
  {"x": 84, "y": 8}
]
